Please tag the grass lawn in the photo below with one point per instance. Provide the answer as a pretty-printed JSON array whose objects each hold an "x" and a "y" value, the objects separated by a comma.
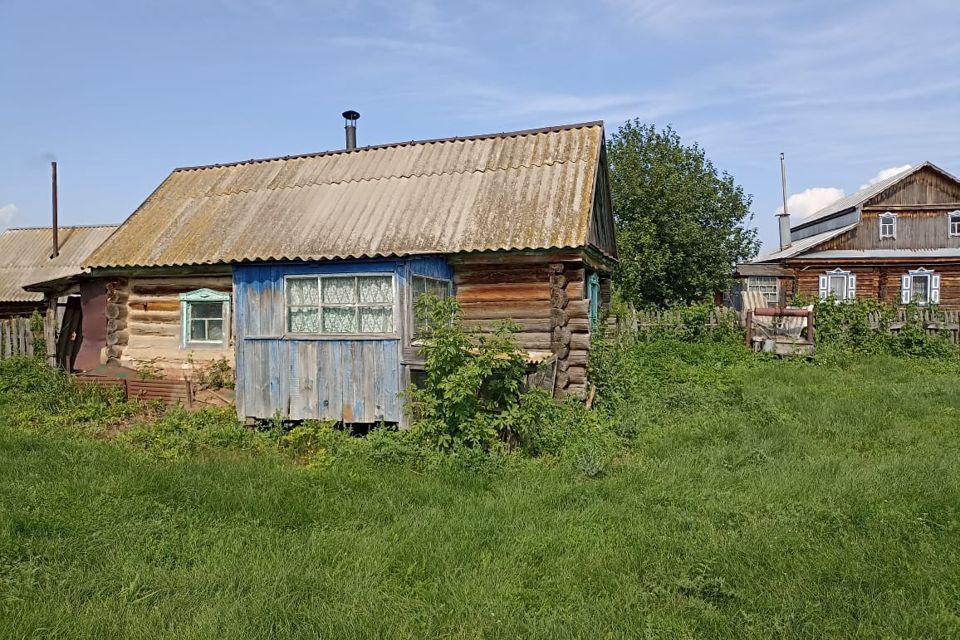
[{"x": 759, "y": 500}]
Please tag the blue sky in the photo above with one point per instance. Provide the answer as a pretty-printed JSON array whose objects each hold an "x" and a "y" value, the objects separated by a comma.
[{"x": 120, "y": 93}]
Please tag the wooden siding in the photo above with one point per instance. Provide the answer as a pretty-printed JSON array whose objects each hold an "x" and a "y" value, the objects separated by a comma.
[
  {"x": 353, "y": 380},
  {"x": 923, "y": 187},
  {"x": 143, "y": 322},
  {"x": 917, "y": 228}
]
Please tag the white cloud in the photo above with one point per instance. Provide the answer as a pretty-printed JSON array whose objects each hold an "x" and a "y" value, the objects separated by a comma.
[
  {"x": 7, "y": 212},
  {"x": 812, "y": 200},
  {"x": 884, "y": 174}
]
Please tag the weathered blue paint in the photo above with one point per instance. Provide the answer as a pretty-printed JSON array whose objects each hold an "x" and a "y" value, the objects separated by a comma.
[{"x": 349, "y": 379}]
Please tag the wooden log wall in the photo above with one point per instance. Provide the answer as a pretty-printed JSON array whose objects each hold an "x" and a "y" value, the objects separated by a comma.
[
  {"x": 143, "y": 322},
  {"x": 883, "y": 282},
  {"x": 547, "y": 301}
]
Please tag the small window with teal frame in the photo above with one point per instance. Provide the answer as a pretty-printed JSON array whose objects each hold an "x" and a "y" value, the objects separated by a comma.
[
  {"x": 204, "y": 318},
  {"x": 593, "y": 295}
]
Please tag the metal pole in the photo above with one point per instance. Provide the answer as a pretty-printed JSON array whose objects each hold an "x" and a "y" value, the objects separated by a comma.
[{"x": 53, "y": 193}]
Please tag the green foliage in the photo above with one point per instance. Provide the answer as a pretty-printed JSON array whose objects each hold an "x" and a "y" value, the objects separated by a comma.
[
  {"x": 681, "y": 223},
  {"x": 148, "y": 369},
  {"x": 474, "y": 381},
  {"x": 39, "y": 342},
  {"x": 760, "y": 498},
  {"x": 214, "y": 374},
  {"x": 844, "y": 328}
]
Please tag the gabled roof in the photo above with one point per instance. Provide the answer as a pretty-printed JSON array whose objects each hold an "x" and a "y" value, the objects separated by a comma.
[
  {"x": 860, "y": 198},
  {"x": 801, "y": 246},
  {"x": 522, "y": 190},
  {"x": 25, "y": 257}
]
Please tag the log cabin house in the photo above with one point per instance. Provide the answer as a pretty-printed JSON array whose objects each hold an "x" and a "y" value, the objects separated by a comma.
[
  {"x": 302, "y": 270},
  {"x": 897, "y": 240}
]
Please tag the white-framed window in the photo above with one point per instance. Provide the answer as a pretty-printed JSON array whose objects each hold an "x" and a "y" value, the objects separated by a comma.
[
  {"x": 888, "y": 225},
  {"x": 420, "y": 285},
  {"x": 921, "y": 286},
  {"x": 204, "y": 318},
  {"x": 842, "y": 285},
  {"x": 767, "y": 285},
  {"x": 341, "y": 304},
  {"x": 953, "y": 223}
]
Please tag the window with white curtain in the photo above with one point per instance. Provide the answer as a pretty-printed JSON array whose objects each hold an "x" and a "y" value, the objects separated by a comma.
[
  {"x": 953, "y": 219},
  {"x": 340, "y": 304},
  {"x": 921, "y": 286},
  {"x": 888, "y": 225},
  {"x": 840, "y": 284}
]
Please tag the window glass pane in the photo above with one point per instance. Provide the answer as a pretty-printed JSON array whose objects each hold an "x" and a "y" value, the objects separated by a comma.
[
  {"x": 214, "y": 329},
  {"x": 419, "y": 285},
  {"x": 838, "y": 286},
  {"x": 304, "y": 320},
  {"x": 439, "y": 288},
  {"x": 376, "y": 288},
  {"x": 198, "y": 330},
  {"x": 339, "y": 319},
  {"x": 376, "y": 320},
  {"x": 339, "y": 290},
  {"x": 206, "y": 310},
  {"x": 920, "y": 288},
  {"x": 302, "y": 292}
]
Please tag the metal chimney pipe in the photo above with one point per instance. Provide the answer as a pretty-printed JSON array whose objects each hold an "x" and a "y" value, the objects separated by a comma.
[
  {"x": 53, "y": 195},
  {"x": 784, "y": 218},
  {"x": 350, "y": 126}
]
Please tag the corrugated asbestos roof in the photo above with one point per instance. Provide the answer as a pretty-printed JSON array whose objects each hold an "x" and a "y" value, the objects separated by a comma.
[
  {"x": 801, "y": 245},
  {"x": 25, "y": 257},
  {"x": 523, "y": 190},
  {"x": 860, "y": 197}
]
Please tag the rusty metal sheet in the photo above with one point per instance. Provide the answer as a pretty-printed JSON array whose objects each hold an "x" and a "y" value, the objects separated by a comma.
[{"x": 522, "y": 190}]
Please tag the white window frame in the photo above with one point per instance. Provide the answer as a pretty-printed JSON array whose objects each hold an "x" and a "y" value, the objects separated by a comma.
[
  {"x": 888, "y": 218},
  {"x": 753, "y": 285},
  {"x": 933, "y": 286},
  {"x": 203, "y": 296},
  {"x": 953, "y": 227},
  {"x": 393, "y": 305},
  {"x": 415, "y": 330},
  {"x": 849, "y": 284}
]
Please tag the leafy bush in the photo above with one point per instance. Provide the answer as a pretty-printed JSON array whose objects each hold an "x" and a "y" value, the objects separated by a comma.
[
  {"x": 474, "y": 381},
  {"x": 214, "y": 374},
  {"x": 844, "y": 328}
]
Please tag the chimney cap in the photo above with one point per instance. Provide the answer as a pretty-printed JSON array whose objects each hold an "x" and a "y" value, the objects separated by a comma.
[{"x": 351, "y": 115}]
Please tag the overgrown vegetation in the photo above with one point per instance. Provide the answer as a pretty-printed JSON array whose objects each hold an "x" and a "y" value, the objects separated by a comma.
[
  {"x": 710, "y": 493},
  {"x": 747, "y": 497},
  {"x": 844, "y": 328}
]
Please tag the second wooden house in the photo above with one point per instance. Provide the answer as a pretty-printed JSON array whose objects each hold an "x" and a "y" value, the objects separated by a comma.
[{"x": 302, "y": 271}]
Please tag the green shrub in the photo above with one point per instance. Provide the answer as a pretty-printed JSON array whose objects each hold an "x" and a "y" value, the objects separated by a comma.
[
  {"x": 474, "y": 381},
  {"x": 843, "y": 328}
]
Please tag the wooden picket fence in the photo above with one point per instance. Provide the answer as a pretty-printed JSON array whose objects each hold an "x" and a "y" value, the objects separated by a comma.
[
  {"x": 649, "y": 319},
  {"x": 16, "y": 338},
  {"x": 945, "y": 323}
]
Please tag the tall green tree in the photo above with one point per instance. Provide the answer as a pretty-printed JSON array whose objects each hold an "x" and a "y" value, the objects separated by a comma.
[{"x": 681, "y": 224}]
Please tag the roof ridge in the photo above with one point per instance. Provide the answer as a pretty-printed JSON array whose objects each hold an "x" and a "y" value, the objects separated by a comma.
[
  {"x": 404, "y": 176},
  {"x": 389, "y": 145}
]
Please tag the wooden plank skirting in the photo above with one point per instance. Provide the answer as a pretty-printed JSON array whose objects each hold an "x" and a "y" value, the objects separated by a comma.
[{"x": 167, "y": 391}]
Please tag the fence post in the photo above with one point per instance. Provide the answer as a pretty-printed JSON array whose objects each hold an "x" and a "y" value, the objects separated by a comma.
[{"x": 7, "y": 346}]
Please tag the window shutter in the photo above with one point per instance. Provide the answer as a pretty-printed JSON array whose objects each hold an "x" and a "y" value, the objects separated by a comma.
[
  {"x": 851, "y": 287},
  {"x": 935, "y": 288},
  {"x": 905, "y": 289},
  {"x": 823, "y": 287}
]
